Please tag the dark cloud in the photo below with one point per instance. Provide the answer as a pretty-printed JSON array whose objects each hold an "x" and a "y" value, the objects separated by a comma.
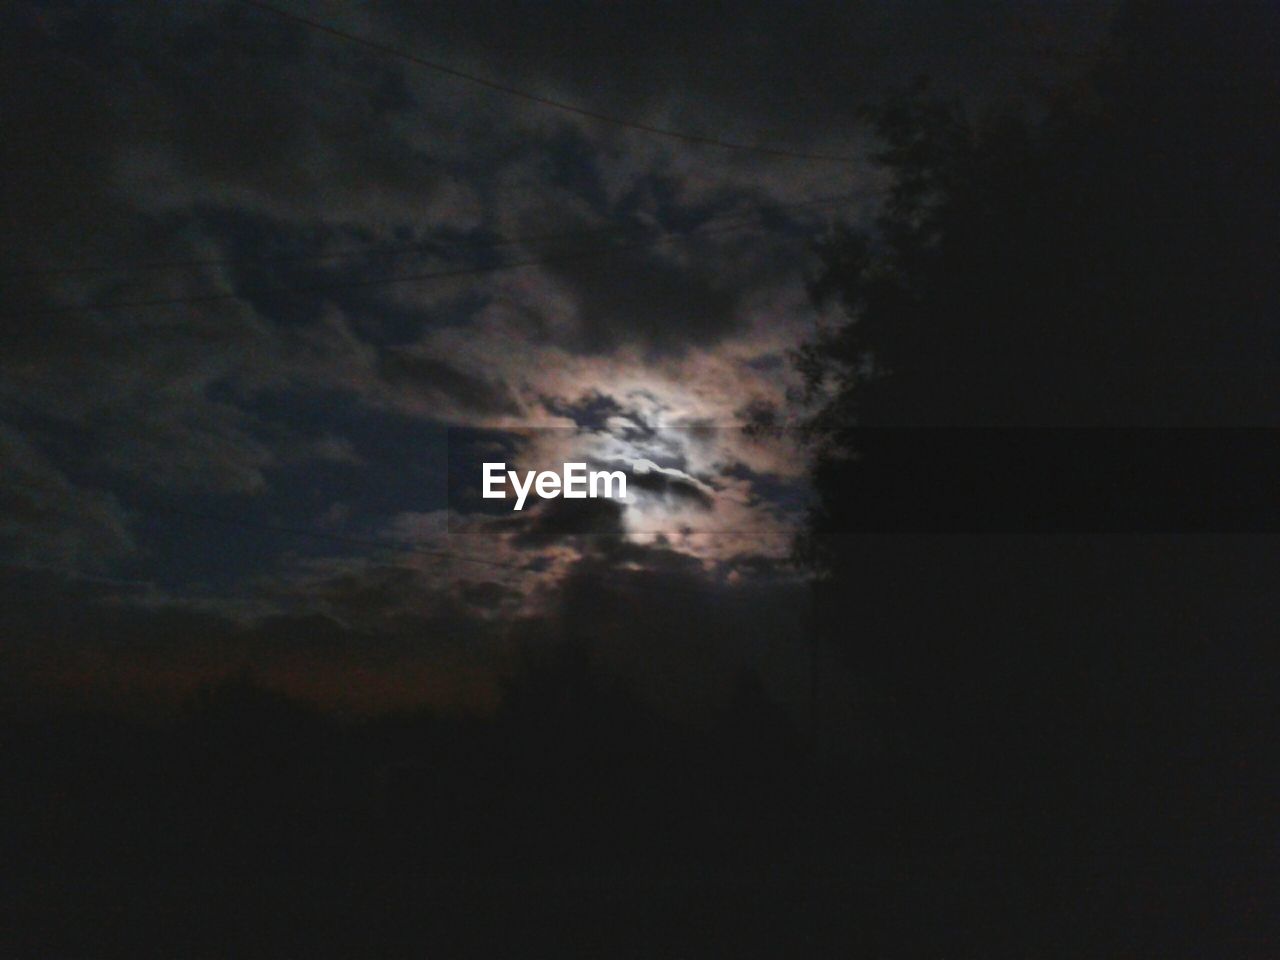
[
  {"x": 431, "y": 377},
  {"x": 558, "y": 520},
  {"x": 327, "y": 114},
  {"x": 669, "y": 483},
  {"x": 591, "y": 411},
  {"x": 488, "y": 594},
  {"x": 645, "y": 299},
  {"x": 45, "y": 518},
  {"x": 653, "y": 614}
]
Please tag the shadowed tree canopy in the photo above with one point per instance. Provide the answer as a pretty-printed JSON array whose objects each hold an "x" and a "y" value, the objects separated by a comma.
[
  {"x": 1096, "y": 258},
  {"x": 1101, "y": 257}
]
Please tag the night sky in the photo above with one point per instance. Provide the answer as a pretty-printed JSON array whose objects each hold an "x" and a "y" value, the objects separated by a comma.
[
  {"x": 937, "y": 341},
  {"x": 256, "y": 272}
]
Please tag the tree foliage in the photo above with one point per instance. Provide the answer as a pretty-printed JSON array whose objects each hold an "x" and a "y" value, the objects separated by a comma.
[
  {"x": 1101, "y": 257},
  {"x": 1097, "y": 257}
]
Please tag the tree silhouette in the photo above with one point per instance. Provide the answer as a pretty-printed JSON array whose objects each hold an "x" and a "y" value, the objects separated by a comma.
[
  {"x": 1093, "y": 259},
  {"x": 1097, "y": 258}
]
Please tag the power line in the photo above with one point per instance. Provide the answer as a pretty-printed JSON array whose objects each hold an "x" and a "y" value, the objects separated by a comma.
[
  {"x": 402, "y": 546},
  {"x": 613, "y": 575},
  {"x": 490, "y": 84},
  {"x": 450, "y": 273},
  {"x": 425, "y": 246}
]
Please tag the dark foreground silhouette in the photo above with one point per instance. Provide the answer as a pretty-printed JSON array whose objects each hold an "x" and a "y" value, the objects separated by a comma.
[{"x": 577, "y": 823}]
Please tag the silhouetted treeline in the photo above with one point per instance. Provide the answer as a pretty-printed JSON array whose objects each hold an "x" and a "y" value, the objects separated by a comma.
[
  {"x": 1083, "y": 723},
  {"x": 576, "y": 820},
  {"x": 573, "y": 820},
  {"x": 1098, "y": 256}
]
